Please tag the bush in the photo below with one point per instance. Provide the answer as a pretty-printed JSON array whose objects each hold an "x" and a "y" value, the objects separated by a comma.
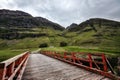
[
  {"x": 43, "y": 45},
  {"x": 62, "y": 44}
]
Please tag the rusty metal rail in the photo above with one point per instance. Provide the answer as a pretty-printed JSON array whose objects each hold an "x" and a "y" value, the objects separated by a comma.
[
  {"x": 93, "y": 62},
  {"x": 12, "y": 69}
]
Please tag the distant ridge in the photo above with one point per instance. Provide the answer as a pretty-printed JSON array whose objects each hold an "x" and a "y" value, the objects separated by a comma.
[
  {"x": 93, "y": 21},
  {"x": 10, "y": 18}
]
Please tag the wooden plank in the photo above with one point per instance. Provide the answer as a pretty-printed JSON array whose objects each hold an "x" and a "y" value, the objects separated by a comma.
[{"x": 41, "y": 67}]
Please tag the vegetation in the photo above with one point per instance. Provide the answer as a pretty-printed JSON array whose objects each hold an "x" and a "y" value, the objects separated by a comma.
[
  {"x": 43, "y": 45},
  {"x": 23, "y": 33},
  {"x": 82, "y": 49},
  {"x": 62, "y": 44},
  {"x": 90, "y": 38},
  {"x": 8, "y": 53}
]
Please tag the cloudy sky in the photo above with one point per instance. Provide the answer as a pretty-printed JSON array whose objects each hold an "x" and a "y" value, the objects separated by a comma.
[{"x": 66, "y": 12}]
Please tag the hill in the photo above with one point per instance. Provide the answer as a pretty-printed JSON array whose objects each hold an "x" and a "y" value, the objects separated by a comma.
[
  {"x": 96, "y": 32},
  {"x": 20, "y": 19},
  {"x": 19, "y": 25},
  {"x": 72, "y": 26},
  {"x": 92, "y": 23},
  {"x": 20, "y": 30}
]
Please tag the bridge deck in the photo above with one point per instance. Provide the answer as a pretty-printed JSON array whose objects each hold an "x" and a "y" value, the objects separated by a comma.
[{"x": 41, "y": 67}]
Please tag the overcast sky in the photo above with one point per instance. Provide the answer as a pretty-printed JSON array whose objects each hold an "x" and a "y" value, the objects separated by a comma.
[{"x": 66, "y": 12}]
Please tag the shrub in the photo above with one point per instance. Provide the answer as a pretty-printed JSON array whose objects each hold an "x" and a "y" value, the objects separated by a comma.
[
  {"x": 62, "y": 44},
  {"x": 43, "y": 45}
]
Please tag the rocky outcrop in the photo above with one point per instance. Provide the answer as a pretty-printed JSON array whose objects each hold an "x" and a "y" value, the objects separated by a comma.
[
  {"x": 93, "y": 22},
  {"x": 10, "y": 18},
  {"x": 10, "y": 13},
  {"x": 47, "y": 23},
  {"x": 73, "y": 25}
]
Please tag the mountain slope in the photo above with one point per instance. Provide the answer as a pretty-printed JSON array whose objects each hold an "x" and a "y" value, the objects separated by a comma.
[
  {"x": 96, "y": 32},
  {"x": 19, "y": 25},
  {"x": 9, "y": 18},
  {"x": 21, "y": 30},
  {"x": 93, "y": 22},
  {"x": 72, "y": 26}
]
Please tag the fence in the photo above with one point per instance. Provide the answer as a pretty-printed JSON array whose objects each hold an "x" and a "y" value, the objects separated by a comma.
[
  {"x": 12, "y": 69},
  {"x": 96, "y": 63}
]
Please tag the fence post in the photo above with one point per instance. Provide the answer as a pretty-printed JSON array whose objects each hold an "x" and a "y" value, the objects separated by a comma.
[
  {"x": 65, "y": 55},
  {"x": 90, "y": 60},
  {"x": 104, "y": 62},
  {"x": 2, "y": 71},
  {"x": 10, "y": 69},
  {"x": 54, "y": 54},
  {"x": 73, "y": 56}
]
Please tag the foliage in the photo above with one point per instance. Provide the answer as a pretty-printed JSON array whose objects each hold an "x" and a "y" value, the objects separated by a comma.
[
  {"x": 62, "y": 44},
  {"x": 106, "y": 39},
  {"x": 43, "y": 45}
]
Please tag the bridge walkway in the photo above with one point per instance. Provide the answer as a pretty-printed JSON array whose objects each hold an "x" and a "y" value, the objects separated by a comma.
[{"x": 41, "y": 67}]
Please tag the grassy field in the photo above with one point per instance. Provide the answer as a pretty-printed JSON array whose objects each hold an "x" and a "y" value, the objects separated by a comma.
[
  {"x": 82, "y": 49},
  {"x": 8, "y": 53}
]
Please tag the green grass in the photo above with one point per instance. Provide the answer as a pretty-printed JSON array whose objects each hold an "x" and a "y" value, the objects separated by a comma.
[
  {"x": 77, "y": 41},
  {"x": 57, "y": 49},
  {"x": 8, "y": 53},
  {"x": 82, "y": 49}
]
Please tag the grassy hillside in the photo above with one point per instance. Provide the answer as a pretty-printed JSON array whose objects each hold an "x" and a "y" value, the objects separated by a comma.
[
  {"x": 27, "y": 39},
  {"x": 31, "y": 38},
  {"x": 109, "y": 53},
  {"x": 105, "y": 36},
  {"x": 90, "y": 38}
]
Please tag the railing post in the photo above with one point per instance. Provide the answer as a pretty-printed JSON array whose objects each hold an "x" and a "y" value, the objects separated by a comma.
[
  {"x": 73, "y": 56},
  {"x": 104, "y": 62},
  {"x": 90, "y": 60},
  {"x": 54, "y": 54},
  {"x": 64, "y": 55},
  {"x": 58, "y": 55},
  {"x": 2, "y": 71},
  {"x": 10, "y": 69}
]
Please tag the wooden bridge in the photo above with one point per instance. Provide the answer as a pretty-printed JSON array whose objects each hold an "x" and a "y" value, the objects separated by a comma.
[{"x": 55, "y": 66}]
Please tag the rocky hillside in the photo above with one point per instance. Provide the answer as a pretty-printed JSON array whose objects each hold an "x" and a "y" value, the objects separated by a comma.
[
  {"x": 92, "y": 23},
  {"x": 9, "y": 18},
  {"x": 96, "y": 32},
  {"x": 72, "y": 26}
]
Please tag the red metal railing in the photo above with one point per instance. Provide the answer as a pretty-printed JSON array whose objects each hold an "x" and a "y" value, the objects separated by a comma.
[
  {"x": 12, "y": 69},
  {"x": 93, "y": 62}
]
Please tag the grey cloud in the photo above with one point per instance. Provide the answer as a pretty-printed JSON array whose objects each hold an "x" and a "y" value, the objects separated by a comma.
[{"x": 66, "y": 12}]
